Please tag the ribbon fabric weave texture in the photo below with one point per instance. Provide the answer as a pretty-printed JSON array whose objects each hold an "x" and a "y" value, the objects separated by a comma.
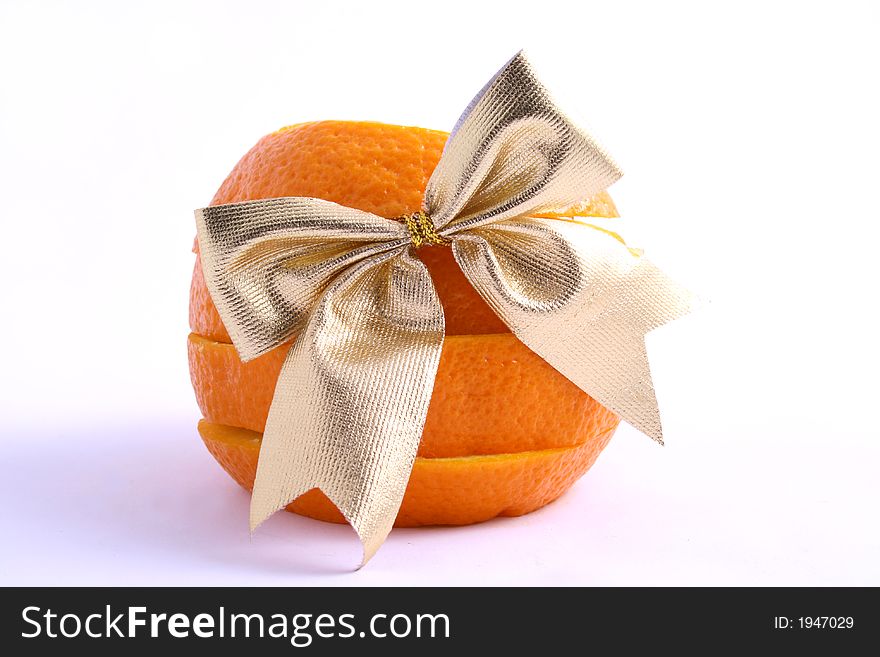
[{"x": 352, "y": 397}]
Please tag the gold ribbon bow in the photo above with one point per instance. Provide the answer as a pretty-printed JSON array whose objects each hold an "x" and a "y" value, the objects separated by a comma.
[{"x": 352, "y": 396}]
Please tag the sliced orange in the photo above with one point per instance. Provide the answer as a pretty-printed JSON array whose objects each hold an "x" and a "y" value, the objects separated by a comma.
[
  {"x": 441, "y": 491},
  {"x": 492, "y": 395}
]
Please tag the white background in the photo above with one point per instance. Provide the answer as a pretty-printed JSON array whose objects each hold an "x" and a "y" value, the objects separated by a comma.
[{"x": 750, "y": 142}]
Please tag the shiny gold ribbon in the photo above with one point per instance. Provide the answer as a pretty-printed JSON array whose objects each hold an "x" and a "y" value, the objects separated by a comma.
[{"x": 352, "y": 396}]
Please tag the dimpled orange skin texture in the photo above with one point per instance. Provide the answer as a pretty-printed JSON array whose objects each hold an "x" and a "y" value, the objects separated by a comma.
[
  {"x": 505, "y": 432},
  {"x": 492, "y": 395}
]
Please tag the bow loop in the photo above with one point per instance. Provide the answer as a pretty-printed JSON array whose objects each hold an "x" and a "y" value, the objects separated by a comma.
[
  {"x": 266, "y": 262},
  {"x": 513, "y": 153}
]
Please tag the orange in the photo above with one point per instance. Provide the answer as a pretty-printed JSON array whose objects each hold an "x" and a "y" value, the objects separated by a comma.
[{"x": 505, "y": 432}]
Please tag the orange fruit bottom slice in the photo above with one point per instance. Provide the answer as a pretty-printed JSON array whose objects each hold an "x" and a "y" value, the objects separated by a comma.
[{"x": 441, "y": 491}]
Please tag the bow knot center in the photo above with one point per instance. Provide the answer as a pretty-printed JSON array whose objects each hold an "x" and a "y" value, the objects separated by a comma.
[{"x": 422, "y": 231}]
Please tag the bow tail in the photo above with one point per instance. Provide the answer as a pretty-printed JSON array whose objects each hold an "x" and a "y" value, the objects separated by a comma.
[
  {"x": 582, "y": 301},
  {"x": 352, "y": 396}
]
